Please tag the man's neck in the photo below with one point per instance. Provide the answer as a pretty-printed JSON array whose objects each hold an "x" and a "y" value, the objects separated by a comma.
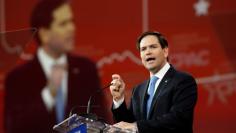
[
  {"x": 52, "y": 54},
  {"x": 158, "y": 69},
  {"x": 162, "y": 71}
]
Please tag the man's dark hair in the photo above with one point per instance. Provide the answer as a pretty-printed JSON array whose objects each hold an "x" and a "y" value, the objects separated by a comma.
[
  {"x": 160, "y": 37},
  {"x": 42, "y": 15}
]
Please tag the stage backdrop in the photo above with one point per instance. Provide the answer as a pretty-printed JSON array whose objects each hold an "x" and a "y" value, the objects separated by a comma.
[{"x": 201, "y": 35}]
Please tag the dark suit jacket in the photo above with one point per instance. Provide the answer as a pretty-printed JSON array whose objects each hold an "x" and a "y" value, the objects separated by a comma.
[
  {"x": 172, "y": 108},
  {"x": 25, "y": 111}
]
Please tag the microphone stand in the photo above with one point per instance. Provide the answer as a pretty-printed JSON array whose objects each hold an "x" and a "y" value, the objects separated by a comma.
[
  {"x": 91, "y": 97},
  {"x": 88, "y": 114}
]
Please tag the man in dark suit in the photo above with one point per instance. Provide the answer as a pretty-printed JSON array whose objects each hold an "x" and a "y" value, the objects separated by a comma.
[
  {"x": 165, "y": 102},
  {"x": 41, "y": 92}
]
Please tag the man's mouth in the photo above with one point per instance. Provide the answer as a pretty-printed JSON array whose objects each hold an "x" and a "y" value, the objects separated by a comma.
[
  {"x": 70, "y": 39},
  {"x": 150, "y": 59}
]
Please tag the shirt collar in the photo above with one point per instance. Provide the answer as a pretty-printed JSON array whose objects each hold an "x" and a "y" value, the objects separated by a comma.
[
  {"x": 47, "y": 61},
  {"x": 160, "y": 74}
]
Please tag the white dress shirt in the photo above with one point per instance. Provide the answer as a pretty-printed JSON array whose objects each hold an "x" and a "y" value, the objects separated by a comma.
[
  {"x": 46, "y": 63},
  {"x": 160, "y": 74}
]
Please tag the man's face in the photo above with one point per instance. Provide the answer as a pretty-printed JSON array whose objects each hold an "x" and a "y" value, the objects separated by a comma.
[
  {"x": 152, "y": 55},
  {"x": 60, "y": 35}
]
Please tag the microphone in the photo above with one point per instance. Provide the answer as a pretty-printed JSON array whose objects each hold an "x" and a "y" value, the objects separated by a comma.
[
  {"x": 91, "y": 96},
  {"x": 71, "y": 119},
  {"x": 88, "y": 114}
]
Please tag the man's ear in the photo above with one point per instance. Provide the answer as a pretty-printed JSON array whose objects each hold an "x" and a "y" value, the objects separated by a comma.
[
  {"x": 44, "y": 35},
  {"x": 166, "y": 52}
]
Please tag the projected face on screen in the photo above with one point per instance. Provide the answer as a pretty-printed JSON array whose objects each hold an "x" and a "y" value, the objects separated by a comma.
[{"x": 60, "y": 35}]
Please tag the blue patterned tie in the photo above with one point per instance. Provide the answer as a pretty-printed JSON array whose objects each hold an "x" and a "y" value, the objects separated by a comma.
[
  {"x": 60, "y": 109},
  {"x": 150, "y": 92}
]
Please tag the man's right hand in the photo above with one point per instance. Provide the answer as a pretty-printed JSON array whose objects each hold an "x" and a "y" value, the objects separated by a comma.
[
  {"x": 55, "y": 79},
  {"x": 117, "y": 88}
]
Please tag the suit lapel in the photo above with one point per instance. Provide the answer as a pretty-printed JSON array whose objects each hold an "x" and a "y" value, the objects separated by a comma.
[
  {"x": 73, "y": 72},
  {"x": 38, "y": 70},
  {"x": 163, "y": 84},
  {"x": 144, "y": 99}
]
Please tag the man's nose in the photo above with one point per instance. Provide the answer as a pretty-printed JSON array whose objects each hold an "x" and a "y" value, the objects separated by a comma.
[
  {"x": 148, "y": 51},
  {"x": 71, "y": 27}
]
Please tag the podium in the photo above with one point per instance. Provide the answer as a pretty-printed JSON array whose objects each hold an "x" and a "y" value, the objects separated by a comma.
[{"x": 80, "y": 124}]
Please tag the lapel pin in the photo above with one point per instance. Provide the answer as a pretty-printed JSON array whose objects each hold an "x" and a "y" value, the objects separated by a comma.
[{"x": 76, "y": 71}]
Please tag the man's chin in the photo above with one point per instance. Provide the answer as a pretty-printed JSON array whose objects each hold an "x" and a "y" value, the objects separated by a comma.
[
  {"x": 152, "y": 69},
  {"x": 69, "y": 48},
  {"x": 149, "y": 68}
]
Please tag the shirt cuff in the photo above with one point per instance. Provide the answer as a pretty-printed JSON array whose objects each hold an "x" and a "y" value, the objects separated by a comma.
[
  {"x": 48, "y": 100},
  {"x": 118, "y": 103},
  {"x": 135, "y": 127}
]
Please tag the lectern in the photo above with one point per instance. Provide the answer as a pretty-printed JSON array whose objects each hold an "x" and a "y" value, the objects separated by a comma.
[{"x": 80, "y": 124}]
